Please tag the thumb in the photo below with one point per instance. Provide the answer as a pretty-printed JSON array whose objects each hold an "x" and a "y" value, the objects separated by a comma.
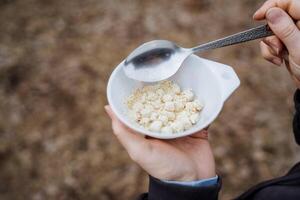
[{"x": 285, "y": 29}]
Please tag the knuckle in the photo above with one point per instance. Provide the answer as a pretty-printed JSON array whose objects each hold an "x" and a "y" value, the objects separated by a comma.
[{"x": 289, "y": 31}]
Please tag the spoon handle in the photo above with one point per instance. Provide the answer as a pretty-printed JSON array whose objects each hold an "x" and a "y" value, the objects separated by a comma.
[{"x": 251, "y": 34}]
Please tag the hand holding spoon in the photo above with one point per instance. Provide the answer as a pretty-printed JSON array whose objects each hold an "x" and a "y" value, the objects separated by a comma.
[{"x": 160, "y": 59}]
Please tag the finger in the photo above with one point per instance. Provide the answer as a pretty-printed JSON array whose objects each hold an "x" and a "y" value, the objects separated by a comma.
[
  {"x": 294, "y": 68},
  {"x": 297, "y": 81},
  {"x": 285, "y": 29},
  {"x": 203, "y": 134},
  {"x": 109, "y": 112},
  {"x": 135, "y": 144},
  {"x": 288, "y": 64},
  {"x": 292, "y": 7},
  {"x": 267, "y": 54},
  {"x": 275, "y": 44}
]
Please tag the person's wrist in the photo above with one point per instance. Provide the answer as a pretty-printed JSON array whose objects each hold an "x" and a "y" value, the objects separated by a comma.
[
  {"x": 186, "y": 178},
  {"x": 208, "y": 175}
]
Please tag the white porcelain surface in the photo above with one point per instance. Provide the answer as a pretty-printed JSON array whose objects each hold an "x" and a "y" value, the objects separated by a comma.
[{"x": 211, "y": 82}]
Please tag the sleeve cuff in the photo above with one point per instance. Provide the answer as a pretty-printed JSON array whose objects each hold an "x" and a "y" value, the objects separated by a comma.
[
  {"x": 163, "y": 190},
  {"x": 198, "y": 183}
]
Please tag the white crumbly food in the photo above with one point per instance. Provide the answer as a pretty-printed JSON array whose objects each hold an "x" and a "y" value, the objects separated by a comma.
[{"x": 164, "y": 108}]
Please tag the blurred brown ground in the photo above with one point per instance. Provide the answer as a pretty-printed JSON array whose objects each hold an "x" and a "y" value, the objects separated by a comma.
[{"x": 55, "y": 60}]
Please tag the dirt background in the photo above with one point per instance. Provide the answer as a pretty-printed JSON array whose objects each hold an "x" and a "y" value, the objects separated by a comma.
[{"x": 55, "y": 60}]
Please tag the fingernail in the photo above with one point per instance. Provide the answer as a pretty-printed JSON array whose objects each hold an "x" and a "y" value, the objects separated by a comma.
[
  {"x": 277, "y": 61},
  {"x": 273, "y": 15},
  {"x": 256, "y": 13}
]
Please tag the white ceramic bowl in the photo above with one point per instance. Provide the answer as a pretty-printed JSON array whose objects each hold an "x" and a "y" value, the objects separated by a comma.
[{"x": 211, "y": 82}]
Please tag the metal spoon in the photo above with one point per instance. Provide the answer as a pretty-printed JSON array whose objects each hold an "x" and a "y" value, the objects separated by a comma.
[{"x": 160, "y": 59}]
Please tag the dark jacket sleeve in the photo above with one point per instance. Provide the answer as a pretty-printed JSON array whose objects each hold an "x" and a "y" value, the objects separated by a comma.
[
  {"x": 296, "y": 121},
  {"x": 159, "y": 190}
]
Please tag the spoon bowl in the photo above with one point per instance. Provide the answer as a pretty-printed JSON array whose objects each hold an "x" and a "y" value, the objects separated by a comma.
[{"x": 154, "y": 61}]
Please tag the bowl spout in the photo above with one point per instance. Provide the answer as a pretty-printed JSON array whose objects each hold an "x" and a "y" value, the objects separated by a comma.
[{"x": 227, "y": 78}]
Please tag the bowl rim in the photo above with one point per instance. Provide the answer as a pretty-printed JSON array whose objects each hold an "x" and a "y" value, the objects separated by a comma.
[{"x": 141, "y": 130}]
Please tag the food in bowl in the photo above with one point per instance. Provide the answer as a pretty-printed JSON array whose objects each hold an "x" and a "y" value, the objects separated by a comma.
[{"x": 164, "y": 107}]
